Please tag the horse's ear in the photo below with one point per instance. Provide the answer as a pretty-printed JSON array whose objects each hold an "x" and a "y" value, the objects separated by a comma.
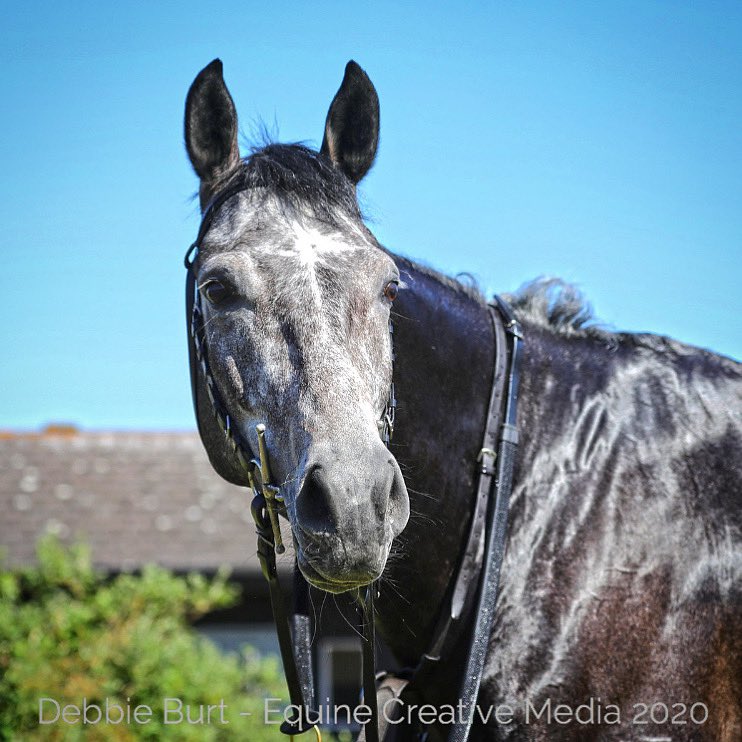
[
  {"x": 211, "y": 127},
  {"x": 352, "y": 126}
]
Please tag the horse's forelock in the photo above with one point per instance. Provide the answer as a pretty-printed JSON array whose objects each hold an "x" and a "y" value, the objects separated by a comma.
[{"x": 299, "y": 179}]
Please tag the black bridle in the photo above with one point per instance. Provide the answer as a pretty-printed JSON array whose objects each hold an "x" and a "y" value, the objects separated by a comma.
[{"x": 480, "y": 563}]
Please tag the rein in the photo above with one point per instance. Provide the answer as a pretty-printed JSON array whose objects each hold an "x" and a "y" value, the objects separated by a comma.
[{"x": 479, "y": 566}]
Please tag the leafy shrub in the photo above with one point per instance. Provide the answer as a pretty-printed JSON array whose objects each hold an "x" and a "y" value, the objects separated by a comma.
[{"x": 68, "y": 633}]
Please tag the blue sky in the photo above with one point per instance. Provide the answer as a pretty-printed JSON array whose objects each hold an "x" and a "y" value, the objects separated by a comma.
[{"x": 600, "y": 142}]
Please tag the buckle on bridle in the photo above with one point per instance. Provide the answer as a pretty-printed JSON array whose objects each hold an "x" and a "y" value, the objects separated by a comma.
[{"x": 492, "y": 454}]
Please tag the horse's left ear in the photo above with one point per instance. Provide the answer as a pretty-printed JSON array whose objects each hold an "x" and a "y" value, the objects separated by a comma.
[{"x": 352, "y": 126}]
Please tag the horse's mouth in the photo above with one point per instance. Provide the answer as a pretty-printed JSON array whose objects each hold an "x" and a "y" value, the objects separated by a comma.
[{"x": 321, "y": 580}]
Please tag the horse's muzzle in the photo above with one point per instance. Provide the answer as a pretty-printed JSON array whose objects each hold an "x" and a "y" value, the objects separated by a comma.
[{"x": 347, "y": 512}]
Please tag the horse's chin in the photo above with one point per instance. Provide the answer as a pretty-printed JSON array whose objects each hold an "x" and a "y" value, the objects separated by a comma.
[{"x": 335, "y": 584}]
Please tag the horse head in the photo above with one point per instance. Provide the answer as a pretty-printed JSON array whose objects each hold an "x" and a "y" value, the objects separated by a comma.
[{"x": 295, "y": 295}]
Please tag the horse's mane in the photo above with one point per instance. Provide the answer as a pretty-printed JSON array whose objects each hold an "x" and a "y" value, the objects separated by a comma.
[
  {"x": 560, "y": 307},
  {"x": 550, "y": 303},
  {"x": 554, "y": 304}
]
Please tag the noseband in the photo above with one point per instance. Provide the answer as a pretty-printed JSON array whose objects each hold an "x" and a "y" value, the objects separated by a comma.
[{"x": 479, "y": 566}]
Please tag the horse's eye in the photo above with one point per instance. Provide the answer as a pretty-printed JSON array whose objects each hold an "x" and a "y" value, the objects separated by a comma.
[
  {"x": 391, "y": 290},
  {"x": 216, "y": 292}
]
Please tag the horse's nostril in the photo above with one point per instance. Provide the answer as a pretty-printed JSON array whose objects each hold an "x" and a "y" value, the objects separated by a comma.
[
  {"x": 399, "y": 503},
  {"x": 351, "y": 503},
  {"x": 314, "y": 506}
]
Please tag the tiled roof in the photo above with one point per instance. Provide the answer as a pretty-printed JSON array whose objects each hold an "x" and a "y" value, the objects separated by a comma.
[{"x": 134, "y": 497}]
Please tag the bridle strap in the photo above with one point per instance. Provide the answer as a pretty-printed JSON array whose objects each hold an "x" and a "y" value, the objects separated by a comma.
[
  {"x": 465, "y": 585},
  {"x": 226, "y": 460},
  {"x": 295, "y": 650},
  {"x": 370, "y": 731},
  {"x": 207, "y": 218},
  {"x": 190, "y": 293},
  {"x": 496, "y": 534},
  {"x": 302, "y": 633}
]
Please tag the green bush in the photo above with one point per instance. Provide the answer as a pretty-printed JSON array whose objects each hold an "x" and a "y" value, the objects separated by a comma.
[{"x": 68, "y": 633}]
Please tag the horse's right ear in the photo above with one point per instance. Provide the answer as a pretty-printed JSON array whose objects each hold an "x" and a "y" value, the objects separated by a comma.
[{"x": 211, "y": 127}]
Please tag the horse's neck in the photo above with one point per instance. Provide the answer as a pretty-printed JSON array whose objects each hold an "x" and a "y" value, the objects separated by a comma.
[{"x": 443, "y": 370}]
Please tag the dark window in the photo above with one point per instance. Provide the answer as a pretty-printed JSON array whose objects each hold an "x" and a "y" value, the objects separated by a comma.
[{"x": 339, "y": 673}]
